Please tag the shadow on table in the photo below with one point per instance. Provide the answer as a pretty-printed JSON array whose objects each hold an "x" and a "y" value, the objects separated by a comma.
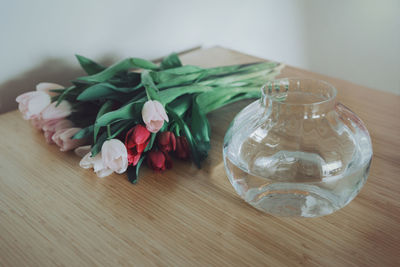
[{"x": 55, "y": 70}]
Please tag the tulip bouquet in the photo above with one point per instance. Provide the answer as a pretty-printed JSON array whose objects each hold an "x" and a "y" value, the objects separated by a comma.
[{"x": 119, "y": 116}]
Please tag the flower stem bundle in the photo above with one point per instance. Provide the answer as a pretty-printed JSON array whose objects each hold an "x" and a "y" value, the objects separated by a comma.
[{"x": 137, "y": 111}]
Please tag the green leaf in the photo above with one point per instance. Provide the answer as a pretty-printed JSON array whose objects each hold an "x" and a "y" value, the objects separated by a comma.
[
  {"x": 97, "y": 91},
  {"x": 191, "y": 74},
  {"x": 192, "y": 142},
  {"x": 150, "y": 144},
  {"x": 176, "y": 76},
  {"x": 171, "y": 61},
  {"x": 183, "y": 70},
  {"x": 58, "y": 91},
  {"x": 172, "y": 93},
  {"x": 200, "y": 129},
  {"x": 96, "y": 148},
  {"x": 153, "y": 138},
  {"x": 125, "y": 79},
  {"x": 181, "y": 104},
  {"x": 257, "y": 71},
  {"x": 116, "y": 128},
  {"x": 120, "y": 130},
  {"x": 82, "y": 84},
  {"x": 123, "y": 65},
  {"x": 85, "y": 132},
  {"x": 89, "y": 65},
  {"x": 106, "y": 107},
  {"x": 151, "y": 89},
  {"x": 209, "y": 101},
  {"x": 239, "y": 69},
  {"x": 127, "y": 112},
  {"x": 133, "y": 171},
  {"x": 126, "y": 90},
  {"x": 177, "y": 80},
  {"x": 65, "y": 93},
  {"x": 106, "y": 91}
]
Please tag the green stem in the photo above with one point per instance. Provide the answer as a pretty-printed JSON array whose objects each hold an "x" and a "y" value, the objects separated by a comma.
[
  {"x": 109, "y": 131},
  {"x": 123, "y": 65}
]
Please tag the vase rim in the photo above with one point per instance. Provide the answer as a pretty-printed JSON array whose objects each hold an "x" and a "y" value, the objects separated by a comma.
[{"x": 272, "y": 90}]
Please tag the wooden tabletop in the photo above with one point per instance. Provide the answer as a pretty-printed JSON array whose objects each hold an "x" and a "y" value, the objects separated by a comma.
[{"x": 52, "y": 212}]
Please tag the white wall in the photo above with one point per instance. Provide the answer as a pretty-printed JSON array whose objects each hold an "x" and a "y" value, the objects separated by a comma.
[
  {"x": 353, "y": 40},
  {"x": 35, "y": 30}
]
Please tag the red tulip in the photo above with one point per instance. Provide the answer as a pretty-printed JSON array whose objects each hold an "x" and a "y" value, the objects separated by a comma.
[
  {"x": 182, "y": 148},
  {"x": 159, "y": 161},
  {"x": 166, "y": 141},
  {"x": 136, "y": 141}
]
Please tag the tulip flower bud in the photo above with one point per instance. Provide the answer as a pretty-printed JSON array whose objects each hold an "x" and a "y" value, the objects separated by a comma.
[
  {"x": 53, "y": 111},
  {"x": 182, "y": 148},
  {"x": 153, "y": 114},
  {"x": 31, "y": 104},
  {"x": 166, "y": 141},
  {"x": 96, "y": 163},
  {"x": 47, "y": 87},
  {"x": 159, "y": 161},
  {"x": 52, "y": 126},
  {"x": 136, "y": 141},
  {"x": 114, "y": 155},
  {"x": 62, "y": 138}
]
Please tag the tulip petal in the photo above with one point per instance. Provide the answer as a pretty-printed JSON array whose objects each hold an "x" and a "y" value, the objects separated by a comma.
[
  {"x": 155, "y": 126},
  {"x": 156, "y": 160},
  {"x": 56, "y": 112},
  {"x": 104, "y": 172},
  {"x": 160, "y": 110},
  {"x": 38, "y": 103},
  {"x": 37, "y": 122},
  {"x": 115, "y": 155},
  {"x": 140, "y": 135},
  {"x": 49, "y": 125},
  {"x": 96, "y": 163},
  {"x": 46, "y": 87},
  {"x": 87, "y": 161},
  {"x": 62, "y": 138},
  {"x": 24, "y": 97},
  {"x": 32, "y": 103},
  {"x": 49, "y": 137},
  {"x": 134, "y": 157},
  {"x": 82, "y": 150},
  {"x": 153, "y": 114},
  {"x": 148, "y": 111}
]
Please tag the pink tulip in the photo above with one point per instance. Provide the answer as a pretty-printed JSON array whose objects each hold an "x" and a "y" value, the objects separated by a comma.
[
  {"x": 37, "y": 122},
  {"x": 52, "y": 126},
  {"x": 96, "y": 163},
  {"x": 53, "y": 112},
  {"x": 81, "y": 151},
  {"x": 153, "y": 114},
  {"x": 114, "y": 155},
  {"x": 31, "y": 104},
  {"x": 46, "y": 87},
  {"x": 62, "y": 138}
]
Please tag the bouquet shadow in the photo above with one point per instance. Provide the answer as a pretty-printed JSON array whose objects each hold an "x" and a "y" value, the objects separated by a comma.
[{"x": 50, "y": 69}]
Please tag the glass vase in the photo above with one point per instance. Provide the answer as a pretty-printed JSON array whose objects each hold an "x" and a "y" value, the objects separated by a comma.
[{"x": 297, "y": 151}]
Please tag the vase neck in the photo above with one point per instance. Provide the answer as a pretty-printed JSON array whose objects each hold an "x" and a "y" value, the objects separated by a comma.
[{"x": 298, "y": 98}]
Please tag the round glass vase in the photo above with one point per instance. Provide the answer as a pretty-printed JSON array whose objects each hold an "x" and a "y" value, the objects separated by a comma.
[{"x": 297, "y": 152}]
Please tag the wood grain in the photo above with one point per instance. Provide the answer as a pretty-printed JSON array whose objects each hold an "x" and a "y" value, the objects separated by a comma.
[{"x": 54, "y": 213}]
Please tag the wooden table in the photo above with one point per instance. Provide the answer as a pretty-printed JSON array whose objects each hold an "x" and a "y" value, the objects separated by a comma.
[{"x": 52, "y": 212}]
